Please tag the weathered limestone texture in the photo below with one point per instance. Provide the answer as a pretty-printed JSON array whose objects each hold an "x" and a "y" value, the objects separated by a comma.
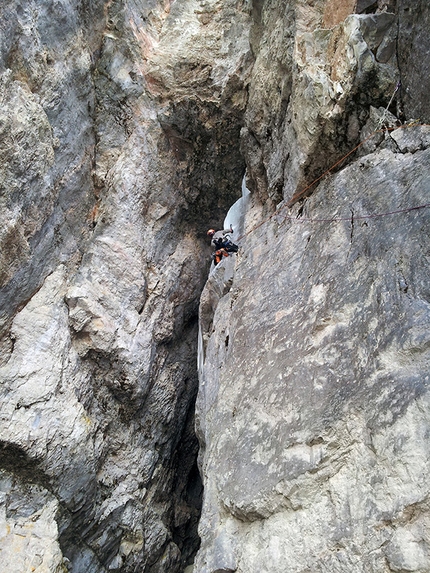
[
  {"x": 317, "y": 72},
  {"x": 29, "y": 530},
  {"x": 46, "y": 145},
  {"x": 126, "y": 127},
  {"x": 119, "y": 127},
  {"x": 313, "y": 411},
  {"x": 314, "y": 398},
  {"x": 414, "y": 64}
]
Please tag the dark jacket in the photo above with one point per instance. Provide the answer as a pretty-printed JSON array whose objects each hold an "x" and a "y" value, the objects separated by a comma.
[{"x": 219, "y": 235}]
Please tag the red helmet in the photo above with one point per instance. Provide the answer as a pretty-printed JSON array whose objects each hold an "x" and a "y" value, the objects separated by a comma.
[{"x": 211, "y": 232}]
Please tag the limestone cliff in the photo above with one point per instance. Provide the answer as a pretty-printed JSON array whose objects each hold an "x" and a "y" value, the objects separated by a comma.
[
  {"x": 120, "y": 128},
  {"x": 126, "y": 129},
  {"x": 313, "y": 407}
]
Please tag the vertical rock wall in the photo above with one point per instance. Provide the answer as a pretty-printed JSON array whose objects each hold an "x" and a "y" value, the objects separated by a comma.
[
  {"x": 126, "y": 127},
  {"x": 120, "y": 128},
  {"x": 413, "y": 50},
  {"x": 319, "y": 68},
  {"x": 313, "y": 403},
  {"x": 313, "y": 406}
]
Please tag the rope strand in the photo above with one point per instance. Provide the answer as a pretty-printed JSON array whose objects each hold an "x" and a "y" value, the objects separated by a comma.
[
  {"x": 389, "y": 103},
  {"x": 356, "y": 217},
  {"x": 297, "y": 196}
]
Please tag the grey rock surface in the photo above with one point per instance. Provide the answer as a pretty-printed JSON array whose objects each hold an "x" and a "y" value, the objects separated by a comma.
[
  {"x": 28, "y": 523},
  {"x": 313, "y": 404},
  {"x": 313, "y": 407},
  {"x": 47, "y": 144},
  {"x": 319, "y": 67},
  {"x": 126, "y": 128},
  {"x": 114, "y": 158},
  {"x": 413, "y": 50}
]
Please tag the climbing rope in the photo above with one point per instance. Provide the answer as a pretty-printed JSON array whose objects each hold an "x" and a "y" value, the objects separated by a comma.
[
  {"x": 383, "y": 118},
  {"x": 301, "y": 194},
  {"x": 355, "y": 217}
]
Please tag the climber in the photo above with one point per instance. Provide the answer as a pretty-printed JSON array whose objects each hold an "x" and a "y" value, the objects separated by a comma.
[{"x": 221, "y": 240}]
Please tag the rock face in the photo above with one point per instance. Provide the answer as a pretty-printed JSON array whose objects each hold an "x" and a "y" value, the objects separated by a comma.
[
  {"x": 126, "y": 129},
  {"x": 120, "y": 131},
  {"x": 413, "y": 49},
  {"x": 317, "y": 72},
  {"x": 313, "y": 404},
  {"x": 313, "y": 407}
]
